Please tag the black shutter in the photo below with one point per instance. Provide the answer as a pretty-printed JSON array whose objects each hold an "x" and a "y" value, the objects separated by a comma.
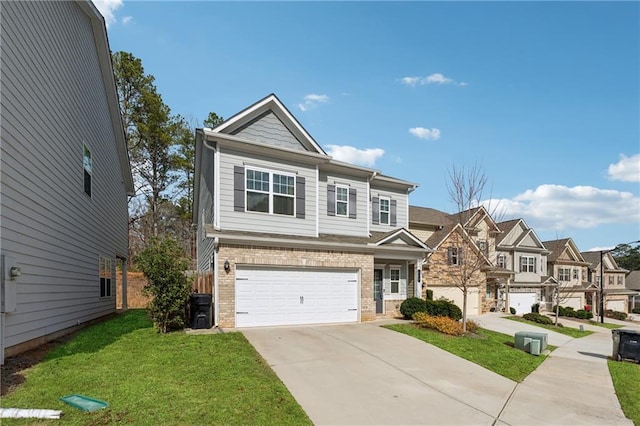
[
  {"x": 238, "y": 188},
  {"x": 394, "y": 210},
  {"x": 300, "y": 194},
  {"x": 375, "y": 210},
  {"x": 331, "y": 200},
  {"x": 353, "y": 207}
]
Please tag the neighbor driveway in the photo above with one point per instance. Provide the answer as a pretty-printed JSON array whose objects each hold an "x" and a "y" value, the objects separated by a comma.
[{"x": 361, "y": 374}]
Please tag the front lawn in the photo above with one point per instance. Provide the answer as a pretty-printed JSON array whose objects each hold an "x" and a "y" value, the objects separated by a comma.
[
  {"x": 149, "y": 378},
  {"x": 608, "y": 325},
  {"x": 568, "y": 331},
  {"x": 626, "y": 381},
  {"x": 491, "y": 350}
]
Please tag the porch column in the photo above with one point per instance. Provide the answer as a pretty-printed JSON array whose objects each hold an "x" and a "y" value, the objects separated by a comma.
[{"x": 123, "y": 262}]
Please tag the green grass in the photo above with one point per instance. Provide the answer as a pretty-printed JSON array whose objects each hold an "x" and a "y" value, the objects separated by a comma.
[
  {"x": 605, "y": 325},
  {"x": 149, "y": 379},
  {"x": 491, "y": 350},
  {"x": 626, "y": 381},
  {"x": 568, "y": 331}
]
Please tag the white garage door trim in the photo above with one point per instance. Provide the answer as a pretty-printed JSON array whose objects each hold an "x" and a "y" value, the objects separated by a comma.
[
  {"x": 267, "y": 296},
  {"x": 522, "y": 302}
]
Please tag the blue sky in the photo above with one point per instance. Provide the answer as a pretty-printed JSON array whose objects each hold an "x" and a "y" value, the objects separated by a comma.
[{"x": 543, "y": 96}]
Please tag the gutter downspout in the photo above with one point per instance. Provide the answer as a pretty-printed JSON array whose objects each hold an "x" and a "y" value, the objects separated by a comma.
[{"x": 214, "y": 267}]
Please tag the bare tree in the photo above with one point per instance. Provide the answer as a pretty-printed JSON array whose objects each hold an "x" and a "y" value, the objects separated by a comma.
[{"x": 465, "y": 187}]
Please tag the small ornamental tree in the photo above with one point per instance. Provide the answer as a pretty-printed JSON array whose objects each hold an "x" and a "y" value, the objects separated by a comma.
[{"x": 164, "y": 265}]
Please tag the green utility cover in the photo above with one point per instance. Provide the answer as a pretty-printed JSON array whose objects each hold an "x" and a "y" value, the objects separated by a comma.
[{"x": 84, "y": 403}]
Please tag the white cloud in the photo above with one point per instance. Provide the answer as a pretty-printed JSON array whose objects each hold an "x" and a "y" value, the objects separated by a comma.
[
  {"x": 557, "y": 207},
  {"x": 435, "y": 78},
  {"x": 423, "y": 133},
  {"x": 108, "y": 8},
  {"x": 310, "y": 101},
  {"x": 626, "y": 170},
  {"x": 126, "y": 20},
  {"x": 349, "y": 154}
]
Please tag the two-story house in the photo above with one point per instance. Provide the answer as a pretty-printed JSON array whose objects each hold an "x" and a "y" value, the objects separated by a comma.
[
  {"x": 462, "y": 244},
  {"x": 569, "y": 268},
  {"x": 616, "y": 293},
  {"x": 64, "y": 171},
  {"x": 292, "y": 236},
  {"x": 520, "y": 250}
]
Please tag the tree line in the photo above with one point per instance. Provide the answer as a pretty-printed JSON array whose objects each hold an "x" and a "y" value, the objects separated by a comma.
[{"x": 161, "y": 148}]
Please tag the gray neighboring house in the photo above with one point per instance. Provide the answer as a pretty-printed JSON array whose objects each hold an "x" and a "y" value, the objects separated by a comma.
[
  {"x": 616, "y": 293},
  {"x": 292, "y": 236},
  {"x": 64, "y": 169},
  {"x": 633, "y": 284}
]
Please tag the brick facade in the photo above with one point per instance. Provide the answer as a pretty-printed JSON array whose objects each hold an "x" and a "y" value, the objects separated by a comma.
[{"x": 291, "y": 257}]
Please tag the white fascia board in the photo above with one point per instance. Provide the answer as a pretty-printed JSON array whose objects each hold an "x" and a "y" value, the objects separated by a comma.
[{"x": 288, "y": 242}]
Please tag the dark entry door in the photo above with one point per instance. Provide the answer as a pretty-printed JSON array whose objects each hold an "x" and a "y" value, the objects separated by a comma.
[{"x": 377, "y": 290}]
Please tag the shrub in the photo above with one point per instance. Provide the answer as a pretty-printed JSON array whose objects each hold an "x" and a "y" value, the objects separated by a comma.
[
  {"x": 429, "y": 294},
  {"x": 635, "y": 311},
  {"x": 163, "y": 264},
  {"x": 615, "y": 315},
  {"x": 442, "y": 324},
  {"x": 512, "y": 310},
  {"x": 570, "y": 313},
  {"x": 539, "y": 318},
  {"x": 412, "y": 305},
  {"x": 584, "y": 314},
  {"x": 443, "y": 308},
  {"x": 472, "y": 326}
]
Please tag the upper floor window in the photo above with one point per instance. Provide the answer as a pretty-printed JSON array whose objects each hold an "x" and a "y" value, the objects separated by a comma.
[
  {"x": 502, "y": 261},
  {"x": 598, "y": 279},
  {"x": 106, "y": 276},
  {"x": 270, "y": 192},
  {"x": 564, "y": 274},
  {"x": 455, "y": 256},
  {"x": 482, "y": 245},
  {"x": 342, "y": 201},
  {"x": 619, "y": 279},
  {"x": 395, "y": 281},
  {"x": 610, "y": 279},
  {"x": 528, "y": 264},
  {"x": 575, "y": 273},
  {"x": 385, "y": 209},
  {"x": 86, "y": 165}
]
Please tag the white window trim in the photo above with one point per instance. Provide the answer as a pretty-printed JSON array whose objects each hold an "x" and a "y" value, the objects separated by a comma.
[
  {"x": 388, "y": 212},
  {"x": 502, "y": 264},
  {"x": 527, "y": 264},
  {"x": 270, "y": 193},
  {"x": 402, "y": 284},
  {"x": 564, "y": 273},
  {"x": 346, "y": 212}
]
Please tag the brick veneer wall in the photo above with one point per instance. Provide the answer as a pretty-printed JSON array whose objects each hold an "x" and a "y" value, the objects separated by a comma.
[{"x": 293, "y": 257}]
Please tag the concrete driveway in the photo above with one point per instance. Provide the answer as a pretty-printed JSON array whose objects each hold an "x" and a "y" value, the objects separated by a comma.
[{"x": 364, "y": 374}]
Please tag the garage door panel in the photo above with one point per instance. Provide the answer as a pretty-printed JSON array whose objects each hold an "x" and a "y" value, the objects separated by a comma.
[
  {"x": 522, "y": 302},
  {"x": 295, "y": 296}
]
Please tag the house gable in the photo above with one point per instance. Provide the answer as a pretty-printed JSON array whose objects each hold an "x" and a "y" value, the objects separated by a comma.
[{"x": 269, "y": 121}]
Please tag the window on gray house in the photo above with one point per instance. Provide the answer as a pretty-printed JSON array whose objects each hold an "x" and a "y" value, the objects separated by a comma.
[
  {"x": 86, "y": 165},
  {"x": 384, "y": 211},
  {"x": 564, "y": 274},
  {"x": 502, "y": 261},
  {"x": 342, "y": 201},
  {"x": 395, "y": 281},
  {"x": 610, "y": 279},
  {"x": 575, "y": 273},
  {"x": 527, "y": 264},
  {"x": 269, "y": 192},
  {"x": 619, "y": 279},
  {"x": 106, "y": 276}
]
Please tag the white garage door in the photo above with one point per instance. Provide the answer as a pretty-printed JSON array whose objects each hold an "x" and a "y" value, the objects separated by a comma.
[
  {"x": 522, "y": 302},
  {"x": 455, "y": 294},
  {"x": 616, "y": 305},
  {"x": 268, "y": 296},
  {"x": 574, "y": 302}
]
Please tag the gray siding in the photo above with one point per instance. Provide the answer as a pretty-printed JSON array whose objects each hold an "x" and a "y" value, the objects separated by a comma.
[
  {"x": 402, "y": 214},
  {"x": 269, "y": 129},
  {"x": 263, "y": 222},
  {"x": 206, "y": 213},
  {"x": 53, "y": 100},
  {"x": 341, "y": 225}
]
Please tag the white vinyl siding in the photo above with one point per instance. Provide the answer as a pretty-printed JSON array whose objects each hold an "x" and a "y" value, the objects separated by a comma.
[
  {"x": 53, "y": 100},
  {"x": 231, "y": 220}
]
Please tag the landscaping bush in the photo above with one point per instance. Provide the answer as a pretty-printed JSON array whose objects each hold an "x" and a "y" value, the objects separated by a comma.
[
  {"x": 443, "y": 308},
  {"x": 615, "y": 315},
  {"x": 584, "y": 314},
  {"x": 412, "y": 305},
  {"x": 164, "y": 265},
  {"x": 539, "y": 318},
  {"x": 570, "y": 313},
  {"x": 512, "y": 310},
  {"x": 635, "y": 311},
  {"x": 472, "y": 326},
  {"x": 442, "y": 324}
]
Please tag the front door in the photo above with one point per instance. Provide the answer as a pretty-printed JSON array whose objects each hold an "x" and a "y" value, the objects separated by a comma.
[{"x": 377, "y": 290}]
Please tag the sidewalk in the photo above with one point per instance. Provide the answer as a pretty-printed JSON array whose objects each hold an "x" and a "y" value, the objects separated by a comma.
[{"x": 572, "y": 386}]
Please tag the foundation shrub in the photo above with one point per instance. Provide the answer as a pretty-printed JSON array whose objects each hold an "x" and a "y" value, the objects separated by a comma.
[
  {"x": 615, "y": 315},
  {"x": 540, "y": 319},
  {"x": 635, "y": 311},
  {"x": 583, "y": 314},
  {"x": 442, "y": 324},
  {"x": 412, "y": 305},
  {"x": 443, "y": 308},
  {"x": 472, "y": 326}
]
